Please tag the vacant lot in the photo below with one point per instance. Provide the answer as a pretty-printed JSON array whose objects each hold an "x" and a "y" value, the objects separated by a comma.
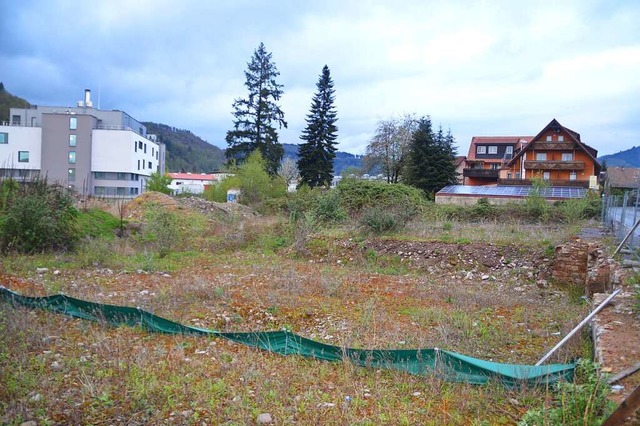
[{"x": 469, "y": 288}]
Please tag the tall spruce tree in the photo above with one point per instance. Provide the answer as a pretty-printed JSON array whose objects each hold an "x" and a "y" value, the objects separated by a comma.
[
  {"x": 316, "y": 154},
  {"x": 256, "y": 116},
  {"x": 430, "y": 166}
]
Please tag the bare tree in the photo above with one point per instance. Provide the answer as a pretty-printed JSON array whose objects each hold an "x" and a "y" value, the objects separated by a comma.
[
  {"x": 288, "y": 171},
  {"x": 389, "y": 146}
]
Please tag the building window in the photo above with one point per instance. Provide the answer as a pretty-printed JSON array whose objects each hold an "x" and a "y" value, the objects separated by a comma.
[
  {"x": 493, "y": 149},
  {"x": 23, "y": 156},
  {"x": 16, "y": 120},
  {"x": 99, "y": 190},
  {"x": 153, "y": 151},
  {"x": 73, "y": 123},
  {"x": 72, "y": 175},
  {"x": 517, "y": 175},
  {"x": 145, "y": 148},
  {"x": 4, "y": 138},
  {"x": 508, "y": 175},
  {"x": 156, "y": 155},
  {"x": 541, "y": 156},
  {"x": 573, "y": 176},
  {"x": 72, "y": 157},
  {"x": 138, "y": 164},
  {"x": 100, "y": 175},
  {"x": 121, "y": 190},
  {"x": 546, "y": 175},
  {"x": 560, "y": 138},
  {"x": 481, "y": 149},
  {"x": 149, "y": 164},
  {"x": 122, "y": 176},
  {"x": 139, "y": 144},
  {"x": 509, "y": 150},
  {"x": 567, "y": 156},
  {"x": 549, "y": 138},
  {"x": 495, "y": 166},
  {"x": 72, "y": 140}
]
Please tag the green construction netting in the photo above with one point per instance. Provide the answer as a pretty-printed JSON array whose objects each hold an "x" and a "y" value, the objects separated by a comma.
[{"x": 447, "y": 365}]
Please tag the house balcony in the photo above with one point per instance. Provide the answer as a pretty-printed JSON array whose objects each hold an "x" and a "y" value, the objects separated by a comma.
[
  {"x": 553, "y": 165},
  {"x": 481, "y": 173},
  {"x": 554, "y": 146},
  {"x": 559, "y": 182}
]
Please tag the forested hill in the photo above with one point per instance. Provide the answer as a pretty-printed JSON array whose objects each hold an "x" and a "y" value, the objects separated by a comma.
[
  {"x": 186, "y": 151},
  {"x": 7, "y": 101},
  {"x": 627, "y": 158},
  {"x": 341, "y": 162}
]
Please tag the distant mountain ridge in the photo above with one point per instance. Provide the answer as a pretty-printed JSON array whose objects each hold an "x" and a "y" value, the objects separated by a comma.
[
  {"x": 341, "y": 162},
  {"x": 8, "y": 101},
  {"x": 186, "y": 152},
  {"x": 627, "y": 158}
]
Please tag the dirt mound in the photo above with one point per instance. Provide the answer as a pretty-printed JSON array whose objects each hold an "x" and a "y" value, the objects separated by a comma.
[
  {"x": 212, "y": 208},
  {"x": 135, "y": 209}
]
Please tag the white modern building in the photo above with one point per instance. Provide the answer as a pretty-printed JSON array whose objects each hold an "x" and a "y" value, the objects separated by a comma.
[
  {"x": 194, "y": 183},
  {"x": 95, "y": 152}
]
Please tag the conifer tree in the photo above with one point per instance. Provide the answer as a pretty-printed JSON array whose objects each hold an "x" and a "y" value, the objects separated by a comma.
[
  {"x": 256, "y": 116},
  {"x": 316, "y": 154},
  {"x": 430, "y": 166}
]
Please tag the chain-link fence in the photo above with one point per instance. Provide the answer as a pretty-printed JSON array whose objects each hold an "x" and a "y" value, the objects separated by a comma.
[{"x": 620, "y": 213}]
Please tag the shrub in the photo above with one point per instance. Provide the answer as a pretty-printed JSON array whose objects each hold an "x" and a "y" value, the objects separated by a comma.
[
  {"x": 159, "y": 183},
  {"x": 378, "y": 220},
  {"x": 97, "y": 223},
  {"x": 254, "y": 182},
  {"x": 536, "y": 207},
  {"x": 162, "y": 230},
  {"x": 483, "y": 209},
  {"x": 37, "y": 217},
  {"x": 583, "y": 402},
  {"x": 328, "y": 209},
  {"x": 298, "y": 204},
  {"x": 359, "y": 194}
]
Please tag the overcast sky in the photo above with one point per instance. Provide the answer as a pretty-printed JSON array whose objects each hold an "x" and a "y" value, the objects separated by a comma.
[{"x": 477, "y": 67}]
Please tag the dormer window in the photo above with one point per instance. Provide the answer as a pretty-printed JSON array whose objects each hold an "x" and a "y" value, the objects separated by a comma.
[
  {"x": 481, "y": 149},
  {"x": 493, "y": 149}
]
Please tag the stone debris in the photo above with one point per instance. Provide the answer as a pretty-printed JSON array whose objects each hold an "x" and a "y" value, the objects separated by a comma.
[{"x": 264, "y": 419}]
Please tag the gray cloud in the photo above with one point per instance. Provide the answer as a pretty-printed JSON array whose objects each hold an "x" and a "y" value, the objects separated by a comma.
[{"x": 480, "y": 68}]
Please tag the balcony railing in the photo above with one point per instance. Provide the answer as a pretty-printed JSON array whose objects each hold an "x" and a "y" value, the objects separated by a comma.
[
  {"x": 19, "y": 124},
  {"x": 558, "y": 182},
  {"x": 554, "y": 146},
  {"x": 553, "y": 165},
  {"x": 481, "y": 173}
]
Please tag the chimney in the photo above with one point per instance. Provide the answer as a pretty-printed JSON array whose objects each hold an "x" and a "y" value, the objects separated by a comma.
[{"x": 87, "y": 98}]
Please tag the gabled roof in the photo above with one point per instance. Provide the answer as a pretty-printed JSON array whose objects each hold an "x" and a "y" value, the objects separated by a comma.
[
  {"x": 575, "y": 136},
  {"x": 517, "y": 141},
  {"x": 459, "y": 160},
  {"x": 623, "y": 177}
]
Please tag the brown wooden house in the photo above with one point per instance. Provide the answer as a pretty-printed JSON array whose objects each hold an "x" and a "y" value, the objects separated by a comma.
[{"x": 557, "y": 155}]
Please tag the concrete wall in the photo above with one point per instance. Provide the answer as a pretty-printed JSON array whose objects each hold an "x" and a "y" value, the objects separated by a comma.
[{"x": 56, "y": 149}]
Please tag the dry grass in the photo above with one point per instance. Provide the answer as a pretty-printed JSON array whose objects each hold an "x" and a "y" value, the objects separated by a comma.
[{"x": 63, "y": 371}]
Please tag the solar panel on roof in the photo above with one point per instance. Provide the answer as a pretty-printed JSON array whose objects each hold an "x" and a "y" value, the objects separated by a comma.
[{"x": 513, "y": 191}]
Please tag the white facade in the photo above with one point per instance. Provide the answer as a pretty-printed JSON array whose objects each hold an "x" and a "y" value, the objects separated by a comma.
[
  {"x": 124, "y": 151},
  {"x": 16, "y": 141},
  {"x": 94, "y": 152},
  {"x": 191, "y": 183}
]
